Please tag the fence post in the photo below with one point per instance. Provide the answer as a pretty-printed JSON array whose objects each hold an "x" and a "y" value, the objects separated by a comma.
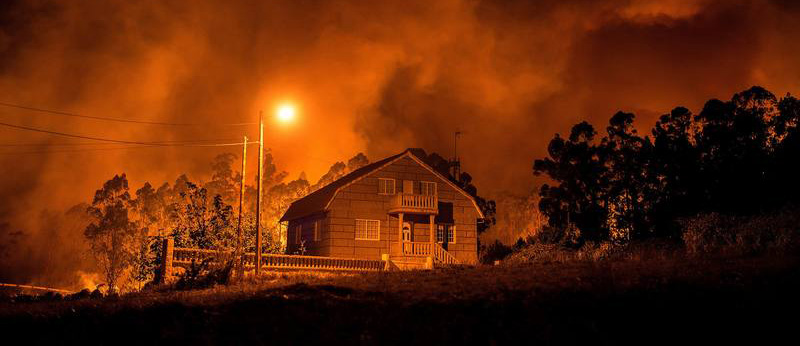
[
  {"x": 386, "y": 264},
  {"x": 166, "y": 263}
]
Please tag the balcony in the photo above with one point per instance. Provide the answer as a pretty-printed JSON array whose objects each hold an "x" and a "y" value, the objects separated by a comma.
[{"x": 414, "y": 204}]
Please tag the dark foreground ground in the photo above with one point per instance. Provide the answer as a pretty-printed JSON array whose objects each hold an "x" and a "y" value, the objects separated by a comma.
[{"x": 745, "y": 300}]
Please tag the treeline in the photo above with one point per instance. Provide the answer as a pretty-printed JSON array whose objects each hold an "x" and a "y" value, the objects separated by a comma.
[
  {"x": 737, "y": 157},
  {"x": 126, "y": 225}
]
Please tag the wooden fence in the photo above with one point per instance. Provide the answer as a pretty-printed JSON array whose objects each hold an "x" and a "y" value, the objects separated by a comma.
[
  {"x": 184, "y": 257},
  {"x": 35, "y": 288}
]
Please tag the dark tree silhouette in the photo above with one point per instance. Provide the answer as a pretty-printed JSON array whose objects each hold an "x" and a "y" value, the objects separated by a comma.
[
  {"x": 579, "y": 168},
  {"x": 737, "y": 157},
  {"x": 675, "y": 170}
]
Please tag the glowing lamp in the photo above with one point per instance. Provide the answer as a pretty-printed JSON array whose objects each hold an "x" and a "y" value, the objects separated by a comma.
[{"x": 285, "y": 113}]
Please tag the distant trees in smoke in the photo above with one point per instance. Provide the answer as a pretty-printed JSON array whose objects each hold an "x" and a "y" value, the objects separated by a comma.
[
  {"x": 124, "y": 228},
  {"x": 112, "y": 233},
  {"x": 736, "y": 157}
]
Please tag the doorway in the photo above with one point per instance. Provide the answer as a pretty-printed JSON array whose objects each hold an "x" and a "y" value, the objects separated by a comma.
[
  {"x": 445, "y": 234},
  {"x": 406, "y": 231}
]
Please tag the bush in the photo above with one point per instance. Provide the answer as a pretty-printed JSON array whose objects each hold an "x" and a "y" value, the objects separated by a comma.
[
  {"x": 494, "y": 252},
  {"x": 546, "y": 253},
  {"x": 204, "y": 275},
  {"x": 725, "y": 234}
]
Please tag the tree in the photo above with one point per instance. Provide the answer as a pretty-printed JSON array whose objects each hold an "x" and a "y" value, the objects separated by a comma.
[
  {"x": 276, "y": 202},
  {"x": 356, "y": 162},
  {"x": 579, "y": 199},
  {"x": 675, "y": 171},
  {"x": 203, "y": 223},
  {"x": 224, "y": 179},
  {"x": 146, "y": 211},
  {"x": 628, "y": 158},
  {"x": 785, "y": 168},
  {"x": 111, "y": 234},
  {"x": 339, "y": 169},
  {"x": 737, "y": 157},
  {"x": 734, "y": 147}
]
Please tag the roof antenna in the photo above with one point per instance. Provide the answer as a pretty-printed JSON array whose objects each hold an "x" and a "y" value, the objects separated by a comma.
[{"x": 455, "y": 163}]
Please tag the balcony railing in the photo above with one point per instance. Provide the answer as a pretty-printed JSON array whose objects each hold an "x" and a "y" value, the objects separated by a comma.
[{"x": 411, "y": 203}]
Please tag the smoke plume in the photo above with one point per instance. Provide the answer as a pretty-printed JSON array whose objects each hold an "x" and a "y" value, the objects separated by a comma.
[{"x": 376, "y": 77}]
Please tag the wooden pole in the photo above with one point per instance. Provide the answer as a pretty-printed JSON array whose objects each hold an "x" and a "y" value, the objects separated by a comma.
[
  {"x": 166, "y": 265},
  {"x": 432, "y": 229},
  {"x": 400, "y": 243},
  {"x": 259, "y": 187},
  {"x": 239, "y": 245}
]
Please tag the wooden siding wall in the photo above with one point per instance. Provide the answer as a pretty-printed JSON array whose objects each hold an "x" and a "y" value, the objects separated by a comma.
[
  {"x": 361, "y": 200},
  {"x": 313, "y": 248}
]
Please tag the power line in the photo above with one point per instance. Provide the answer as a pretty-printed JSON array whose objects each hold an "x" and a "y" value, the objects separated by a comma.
[
  {"x": 144, "y": 122},
  {"x": 80, "y": 150},
  {"x": 123, "y": 148},
  {"x": 69, "y": 144},
  {"x": 82, "y": 136},
  {"x": 134, "y": 144}
]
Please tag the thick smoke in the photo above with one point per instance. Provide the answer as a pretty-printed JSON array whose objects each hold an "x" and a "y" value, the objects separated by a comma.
[{"x": 374, "y": 76}]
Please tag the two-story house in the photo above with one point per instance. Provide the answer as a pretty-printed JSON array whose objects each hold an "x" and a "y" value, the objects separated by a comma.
[{"x": 398, "y": 208}]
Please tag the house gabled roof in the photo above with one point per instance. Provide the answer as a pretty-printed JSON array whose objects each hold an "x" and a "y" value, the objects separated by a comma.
[{"x": 319, "y": 201}]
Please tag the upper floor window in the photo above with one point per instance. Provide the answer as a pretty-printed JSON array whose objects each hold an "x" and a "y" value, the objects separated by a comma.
[
  {"x": 428, "y": 188},
  {"x": 368, "y": 229},
  {"x": 317, "y": 236},
  {"x": 385, "y": 186}
]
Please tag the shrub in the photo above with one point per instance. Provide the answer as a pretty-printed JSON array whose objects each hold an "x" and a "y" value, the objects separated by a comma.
[
  {"x": 205, "y": 274},
  {"x": 546, "y": 253},
  {"x": 494, "y": 252},
  {"x": 725, "y": 234}
]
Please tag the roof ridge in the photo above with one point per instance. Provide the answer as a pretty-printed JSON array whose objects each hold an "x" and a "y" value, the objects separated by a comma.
[
  {"x": 320, "y": 199},
  {"x": 324, "y": 194}
]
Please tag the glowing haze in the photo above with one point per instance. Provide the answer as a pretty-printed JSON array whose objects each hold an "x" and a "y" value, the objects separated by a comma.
[{"x": 372, "y": 76}]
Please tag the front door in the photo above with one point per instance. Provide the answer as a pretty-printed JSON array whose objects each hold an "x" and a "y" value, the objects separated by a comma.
[
  {"x": 406, "y": 231},
  {"x": 444, "y": 234}
]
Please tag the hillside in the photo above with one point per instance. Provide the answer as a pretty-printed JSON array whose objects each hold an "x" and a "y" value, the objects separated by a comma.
[{"x": 607, "y": 302}]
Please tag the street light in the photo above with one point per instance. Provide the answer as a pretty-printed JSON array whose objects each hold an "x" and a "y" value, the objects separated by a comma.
[{"x": 285, "y": 113}]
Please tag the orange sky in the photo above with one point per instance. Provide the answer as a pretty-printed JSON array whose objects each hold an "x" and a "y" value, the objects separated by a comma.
[{"x": 373, "y": 76}]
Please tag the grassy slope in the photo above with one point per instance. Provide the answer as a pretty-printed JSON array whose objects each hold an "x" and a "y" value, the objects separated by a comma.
[{"x": 608, "y": 302}]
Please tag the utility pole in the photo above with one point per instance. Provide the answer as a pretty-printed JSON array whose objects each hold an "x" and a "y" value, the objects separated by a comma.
[
  {"x": 259, "y": 187},
  {"x": 239, "y": 246}
]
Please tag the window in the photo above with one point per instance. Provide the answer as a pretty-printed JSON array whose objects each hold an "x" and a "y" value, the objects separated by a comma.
[
  {"x": 297, "y": 233},
  {"x": 445, "y": 231},
  {"x": 368, "y": 229},
  {"x": 428, "y": 188},
  {"x": 385, "y": 186},
  {"x": 317, "y": 236}
]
